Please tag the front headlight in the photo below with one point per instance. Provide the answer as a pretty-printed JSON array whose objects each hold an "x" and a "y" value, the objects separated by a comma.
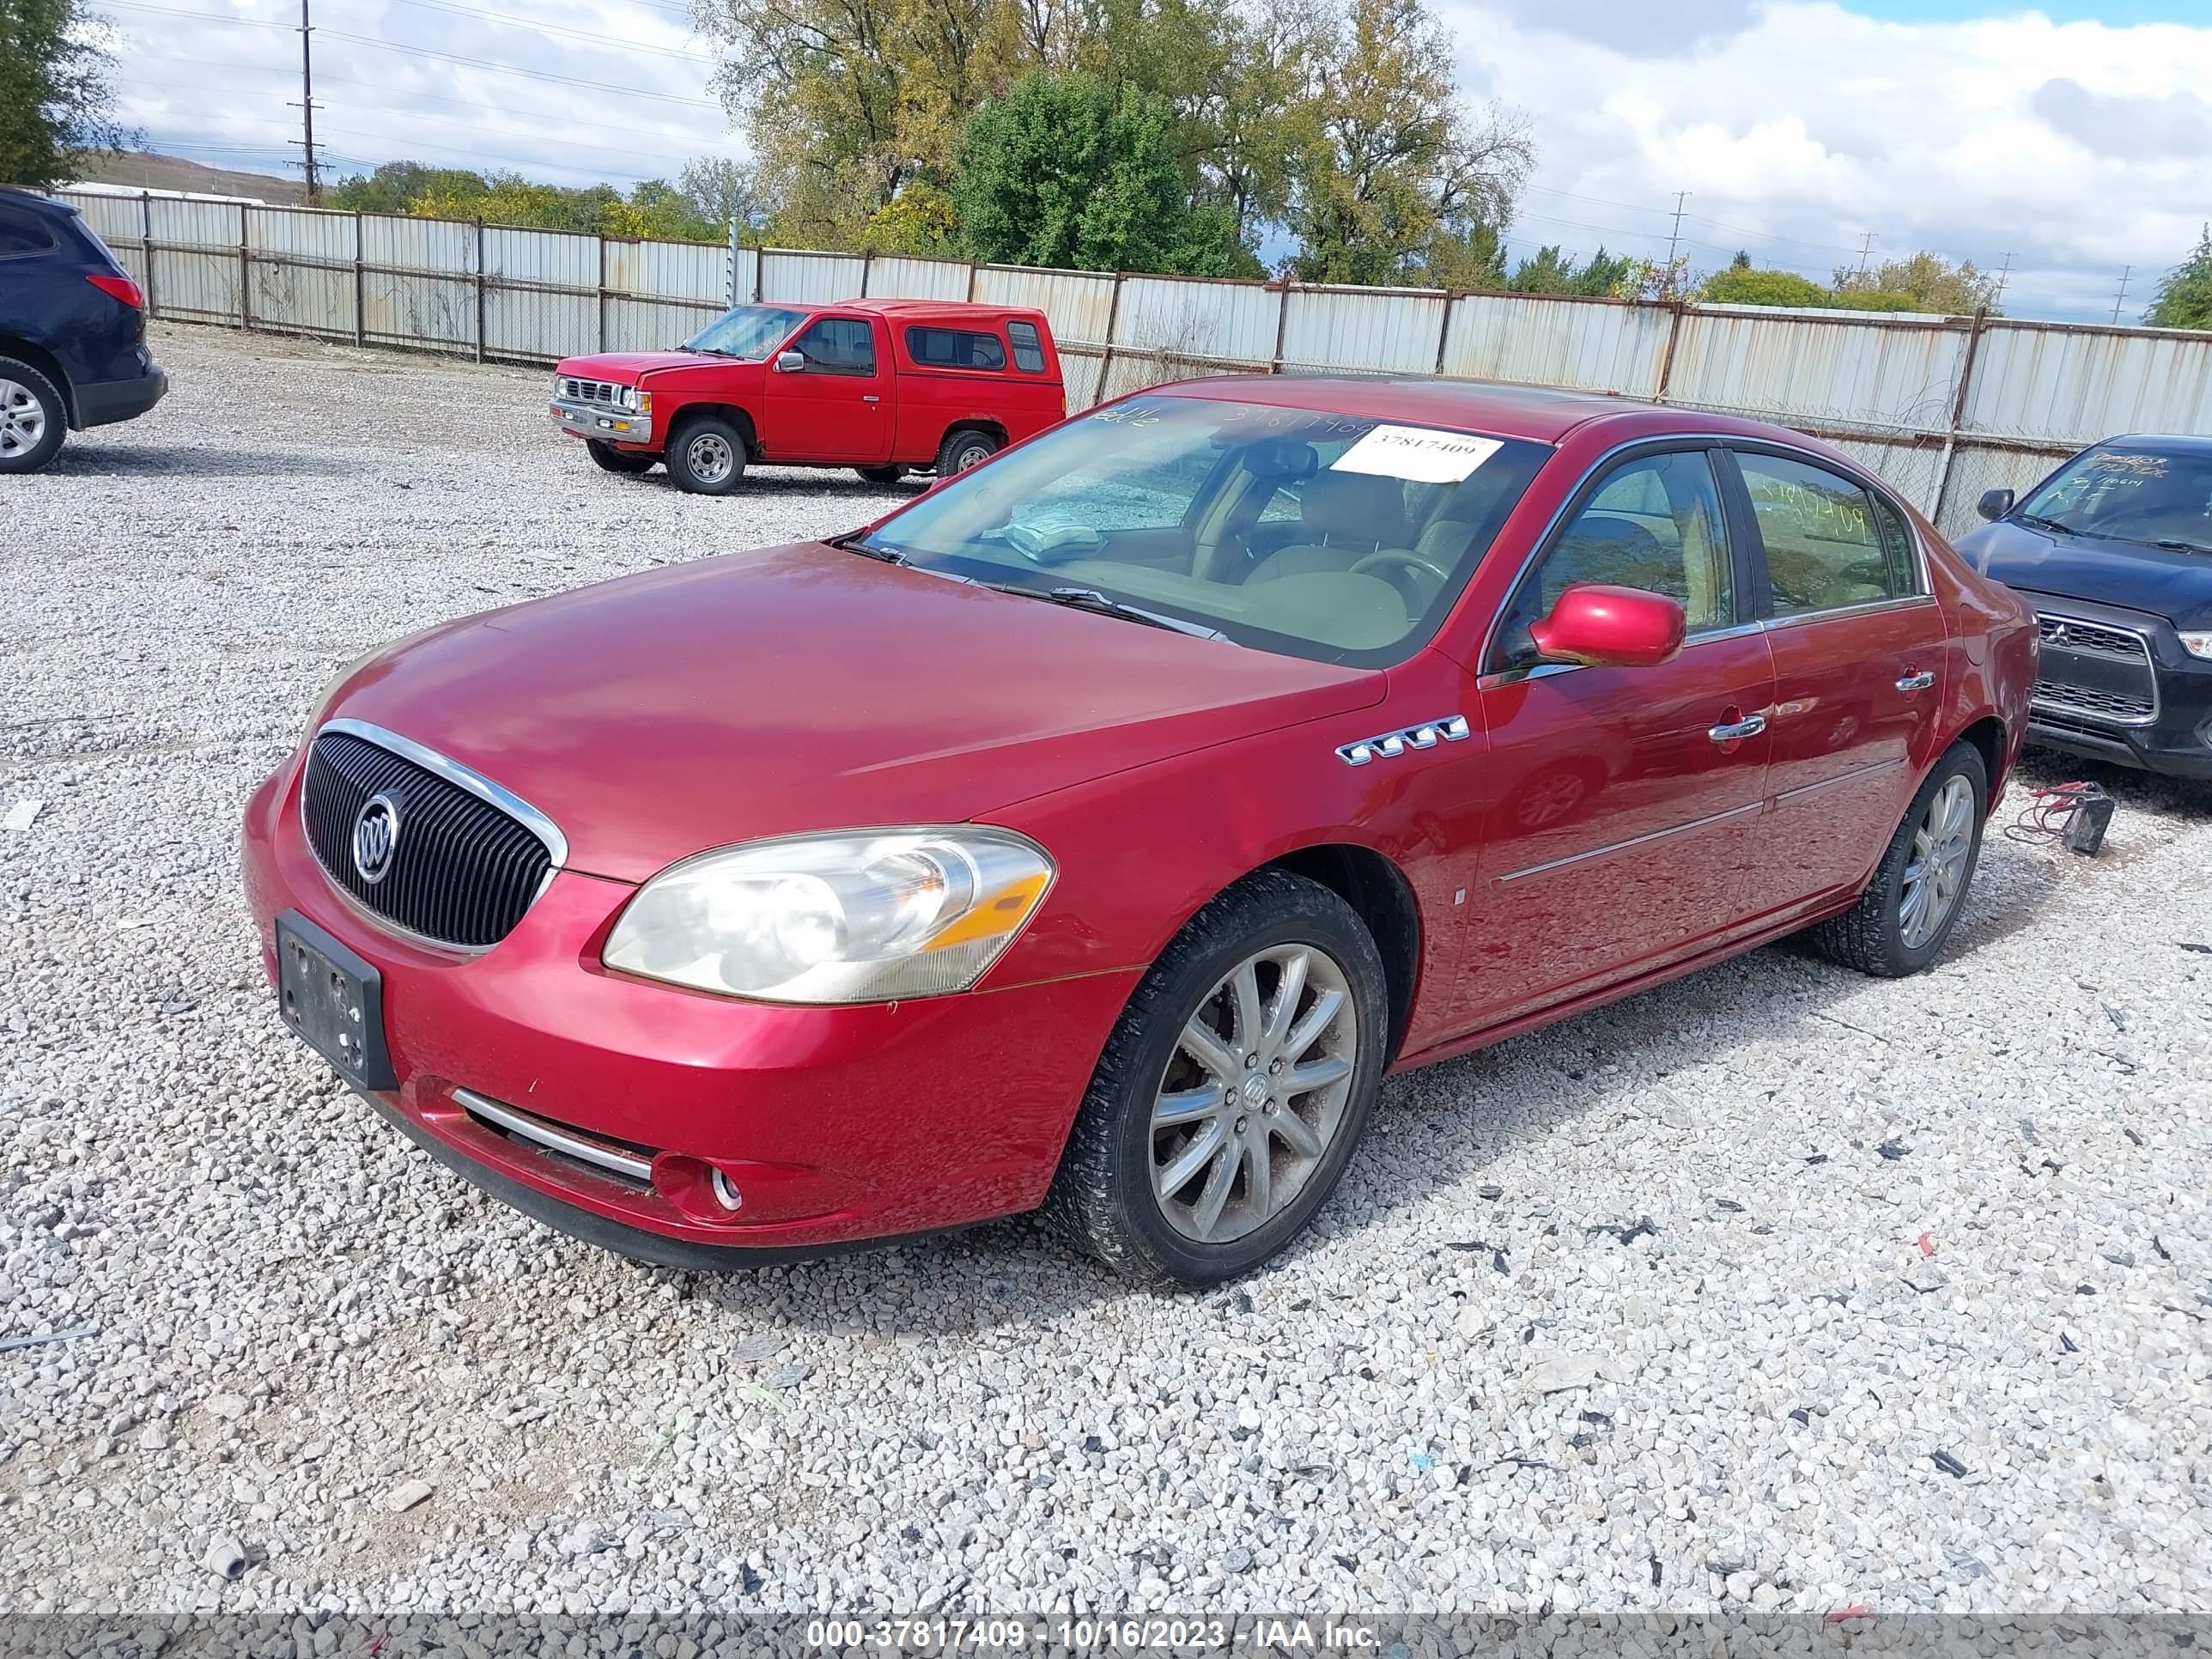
[
  {"x": 2197, "y": 644},
  {"x": 867, "y": 916}
]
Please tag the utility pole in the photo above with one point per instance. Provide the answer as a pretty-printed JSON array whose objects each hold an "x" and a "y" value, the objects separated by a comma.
[
  {"x": 307, "y": 108},
  {"x": 1681, "y": 197},
  {"x": 2121, "y": 298},
  {"x": 1866, "y": 247},
  {"x": 2004, "y": 275}
]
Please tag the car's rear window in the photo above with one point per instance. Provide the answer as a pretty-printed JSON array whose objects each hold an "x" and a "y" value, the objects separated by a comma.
[
  {"x": 955, "y": 348},
  {"x": 1339, "y": 537},
  {"x": 23, "y": 233},
  {"x": 1028, "y": 347}
]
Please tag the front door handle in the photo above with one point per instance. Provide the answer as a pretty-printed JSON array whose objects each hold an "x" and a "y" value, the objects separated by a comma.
[
  {"x": 1736, "y": 730},
  {"x": 870, "y": 398},
  {"x": 1919, "y": 682}
]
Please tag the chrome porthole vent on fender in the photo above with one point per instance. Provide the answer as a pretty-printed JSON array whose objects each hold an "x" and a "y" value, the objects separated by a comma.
[{"x": 1452, "y": 728}]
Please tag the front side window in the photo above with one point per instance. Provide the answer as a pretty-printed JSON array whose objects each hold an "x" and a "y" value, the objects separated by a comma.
[
  {"x": 1164, "y": 503},
  {"x": 1826, "y": 548},
  {"x": 955, "y": 348},
  {"x": 2127, "y": 494},
  {"x": 1654, "y": 524},
  {"x": 838, "y": 345},
  {"x": 1028, "y": 347},
  {"x": 746, "y": 332}
]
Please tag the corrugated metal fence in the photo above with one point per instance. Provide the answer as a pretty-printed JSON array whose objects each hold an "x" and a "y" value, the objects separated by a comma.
[{"x": 1944, "y": 407}]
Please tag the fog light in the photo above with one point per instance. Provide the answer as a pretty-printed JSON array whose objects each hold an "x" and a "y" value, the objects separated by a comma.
[{"x": 726, "y": 1191}]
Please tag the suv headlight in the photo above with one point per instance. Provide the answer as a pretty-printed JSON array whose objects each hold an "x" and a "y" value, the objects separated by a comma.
[
  {"x": 865, "y": 916},
  {"x": 2197, "y": 642}
]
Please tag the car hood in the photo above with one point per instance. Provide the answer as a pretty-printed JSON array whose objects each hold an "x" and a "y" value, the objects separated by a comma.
[
  {"x": 804, "y": 688},
  {"x": 2166, "y": 583}
]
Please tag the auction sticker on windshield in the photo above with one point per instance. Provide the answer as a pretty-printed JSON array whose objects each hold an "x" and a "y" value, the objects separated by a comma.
[{"x": 1419, "y": 454}]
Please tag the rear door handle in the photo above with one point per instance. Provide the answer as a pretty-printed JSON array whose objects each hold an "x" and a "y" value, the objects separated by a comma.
[
  {"x": 1735, "y": 730},
  {"x": 1919, "y": 682}
]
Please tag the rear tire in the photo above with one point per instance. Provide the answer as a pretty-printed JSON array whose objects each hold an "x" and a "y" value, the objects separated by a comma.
[
  {"x": 619, "y": 460},
  {"x": 707, "y": 457},
  {"x": 33, "y": 418},
  {"x": 1174, "y": 1094},
  {"x": 881, "y": 475},
  {"x": 964, "y": 448},
  {"x": 1903, "y": 920}
]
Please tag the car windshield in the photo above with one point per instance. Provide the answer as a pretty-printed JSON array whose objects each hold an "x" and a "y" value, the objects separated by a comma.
[
  {"x": 2131, "y": 494},
  {"x": 1337, "y": 537},
  {"x": 747, "y": 331}
]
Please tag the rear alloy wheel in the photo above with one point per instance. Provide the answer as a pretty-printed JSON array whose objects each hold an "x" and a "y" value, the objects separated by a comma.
[
  {"x": 1231, "y": 1094},
  {"x": 1907, "y": 912},
  {"x": 707, "y": 458},
  {"x": 963, "y": 449},
  {"x": 619, "y": 460},
  {"x": 33, "y": 420}
]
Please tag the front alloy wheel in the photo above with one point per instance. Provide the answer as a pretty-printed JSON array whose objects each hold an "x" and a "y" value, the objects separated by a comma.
[{"x": 1234, "y": 1088}]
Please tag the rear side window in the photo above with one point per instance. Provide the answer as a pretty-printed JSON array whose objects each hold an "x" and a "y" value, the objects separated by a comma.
[
  {"x": 22, "y": 232},
  {"x": 956, "y": 348},
  {"x": 1029, "y": 349},
  {"x": 1826, "y": 548},
  {"x": 838, "y": 345}
]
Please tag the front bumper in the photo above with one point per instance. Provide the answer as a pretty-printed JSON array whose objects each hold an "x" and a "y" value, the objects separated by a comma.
[
  {"x": 2169, "y": 732},
  {"x": 610, "y": 426},
  {"x": 838, "y": 1126}
]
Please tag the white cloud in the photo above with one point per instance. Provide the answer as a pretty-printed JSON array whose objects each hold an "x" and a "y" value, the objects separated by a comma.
[{"x": 2077, "y": 148}]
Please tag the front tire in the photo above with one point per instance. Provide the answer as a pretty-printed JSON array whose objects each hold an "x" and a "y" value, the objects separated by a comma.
[
  {"x": 1903, "y": 920},
  {"x": 619, "y": 460},
  {"x": 1233, "y": 1090},
  {"x": 33, "y": 419},
  {"x": 707, "y": 458}
]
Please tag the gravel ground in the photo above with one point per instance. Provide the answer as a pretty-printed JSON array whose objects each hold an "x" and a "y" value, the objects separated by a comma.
[{"x": 1778, "y": 1287}]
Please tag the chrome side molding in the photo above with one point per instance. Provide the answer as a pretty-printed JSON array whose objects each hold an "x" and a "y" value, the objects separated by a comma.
[{"x": 1452, "y": 728}]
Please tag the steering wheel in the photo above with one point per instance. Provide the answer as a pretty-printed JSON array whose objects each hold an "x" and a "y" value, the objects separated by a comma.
[{"x": 1405, "y": 560}]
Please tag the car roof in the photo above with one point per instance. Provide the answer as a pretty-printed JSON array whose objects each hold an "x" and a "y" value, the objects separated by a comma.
[
  {"x": 1496, "y": 407},
  {"x": 2185, "y": 442},
  {"x": 15, "y": 195}
]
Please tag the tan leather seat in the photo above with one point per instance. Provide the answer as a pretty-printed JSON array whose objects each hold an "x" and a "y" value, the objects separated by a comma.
[{"x": 1342, "y": 517}]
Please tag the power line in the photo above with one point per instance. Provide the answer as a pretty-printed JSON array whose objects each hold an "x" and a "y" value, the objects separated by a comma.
[{"x": 536, "y": 27}]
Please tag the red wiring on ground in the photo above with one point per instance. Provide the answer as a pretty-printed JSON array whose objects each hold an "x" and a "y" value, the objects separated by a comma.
[{"x": 2049, "y": 810}]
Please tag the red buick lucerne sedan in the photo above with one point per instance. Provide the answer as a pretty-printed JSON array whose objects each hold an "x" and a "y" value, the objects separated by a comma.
[{"x": 1096, "y": 831}]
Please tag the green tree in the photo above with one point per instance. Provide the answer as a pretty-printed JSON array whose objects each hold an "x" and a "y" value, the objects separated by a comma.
[
  {"x": 1063, "y": 170},
  {"x": 55, "y": 98},
  {"x": 722, "y": 192},
  {"x": 2185, "y": 298},
  {"x": 1929, "y": 281},
  {"x": 1875, "y": 299},
  {"x": 1394, "y": 156},
  {"x": 1740, "y": 285},
  {"x": 1742, "y": 260}
]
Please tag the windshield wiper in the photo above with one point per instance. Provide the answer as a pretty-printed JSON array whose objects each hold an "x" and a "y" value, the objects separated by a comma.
[
  {"x": 2177, "y": 545},
  {"x": 2041, "y": 523},
  {"x": 1089, "y": 599},
  {"x": 853, "y": 543}
]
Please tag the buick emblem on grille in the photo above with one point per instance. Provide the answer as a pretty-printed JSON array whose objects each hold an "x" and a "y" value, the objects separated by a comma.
[{"x": 375, "y": 838}]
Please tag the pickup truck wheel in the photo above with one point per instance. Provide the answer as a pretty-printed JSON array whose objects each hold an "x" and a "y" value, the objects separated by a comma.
[
  {"x": 33, "y": 420},
  {"x": 1907, "y": 912},
  {"x": 881, "y": 475},
  {"x": 1233, "y": 1090},
  {"x": 619, "y": 460},
  {"x": 962, "y": 449},
  {"x": 707, "y": 458}
]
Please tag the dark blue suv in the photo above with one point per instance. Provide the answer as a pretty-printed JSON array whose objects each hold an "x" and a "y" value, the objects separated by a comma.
[{"x": 72, "y": 332}]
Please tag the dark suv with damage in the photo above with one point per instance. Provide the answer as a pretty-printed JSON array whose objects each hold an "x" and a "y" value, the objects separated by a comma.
[
  {"x": 72, "y": 332},
  {"x": 2113, "y": 552}
]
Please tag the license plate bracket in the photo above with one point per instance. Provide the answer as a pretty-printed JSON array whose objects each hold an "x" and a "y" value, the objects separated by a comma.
[{"x": 334, "y": 1001}]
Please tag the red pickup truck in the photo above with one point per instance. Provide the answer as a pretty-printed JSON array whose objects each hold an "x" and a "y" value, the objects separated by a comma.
[{"x": 883, "y": 387}]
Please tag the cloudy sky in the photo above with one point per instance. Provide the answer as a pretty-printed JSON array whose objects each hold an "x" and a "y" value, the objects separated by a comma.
[{"x": 2072, "y": 136}]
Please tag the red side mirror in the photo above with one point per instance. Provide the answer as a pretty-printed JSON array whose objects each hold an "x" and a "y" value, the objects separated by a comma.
[{"x": 1601, "y": 626}]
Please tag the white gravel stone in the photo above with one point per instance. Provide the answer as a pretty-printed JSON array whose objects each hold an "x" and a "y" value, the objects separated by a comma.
[{"x": 982, "y": 1420}]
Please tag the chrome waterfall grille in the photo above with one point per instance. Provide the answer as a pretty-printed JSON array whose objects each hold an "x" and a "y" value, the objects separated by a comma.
[{"x": 417, "y": 846}]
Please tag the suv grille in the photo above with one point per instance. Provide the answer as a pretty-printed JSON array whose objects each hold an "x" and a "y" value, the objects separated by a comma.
[
  {"x": 594, "y": 392},
  {"x": 462, "y": 872},
  {"x": 2094, "y": 671}
]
